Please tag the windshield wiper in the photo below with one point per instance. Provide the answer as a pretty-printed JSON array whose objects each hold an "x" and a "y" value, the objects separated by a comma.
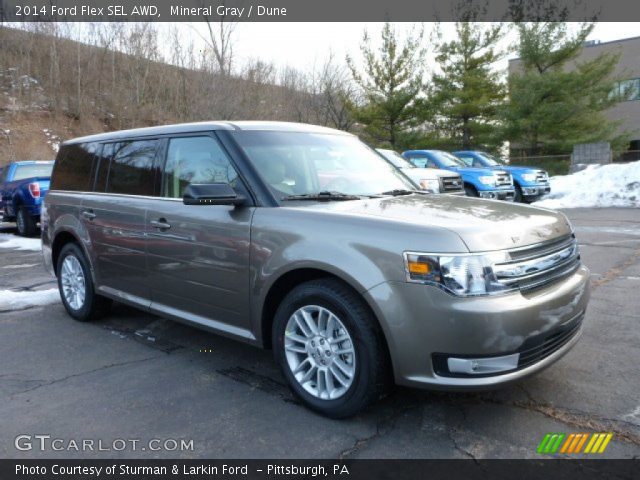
[
  {"x": 322, "y": 196},
  {"x": 397, "y": 192}
]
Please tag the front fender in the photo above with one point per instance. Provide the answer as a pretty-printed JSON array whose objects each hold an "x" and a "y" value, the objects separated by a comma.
[
  {"x": 364, "y": 251},
  {"x": 472, "y": 179}
]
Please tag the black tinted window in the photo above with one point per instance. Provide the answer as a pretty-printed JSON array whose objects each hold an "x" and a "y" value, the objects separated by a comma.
[
  {"x": 131, "y": 169},
  {"x": 74, "y": 167}
]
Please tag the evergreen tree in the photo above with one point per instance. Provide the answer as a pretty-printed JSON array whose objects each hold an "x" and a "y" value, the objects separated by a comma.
[
  {"x": 390, "y": 82},
  {"x": 465, "y": 96},
  {"x": 556, "y": 101}
]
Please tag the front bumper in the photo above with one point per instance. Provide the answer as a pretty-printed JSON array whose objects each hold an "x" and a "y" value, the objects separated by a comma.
[
  {"x": 508, "y": 195},
  {"x": 459, "y": 193},
  {"x": 535, "y": 191},
  {"x": 422, "y": 323}
]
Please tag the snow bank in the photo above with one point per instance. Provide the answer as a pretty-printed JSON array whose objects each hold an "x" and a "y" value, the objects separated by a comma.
[
  {"x": 10, "y": 300},
  {"x": 20, "y": 243},
  {"x": 615, "y": 185}
]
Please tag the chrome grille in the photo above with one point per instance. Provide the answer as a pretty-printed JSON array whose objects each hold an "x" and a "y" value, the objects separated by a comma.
[
  {"x": 539, "y": 265},
  {"x": 451, "y": 184},
  {"x": 502, "y": 179},
  {"x": 542, "y": 177}
]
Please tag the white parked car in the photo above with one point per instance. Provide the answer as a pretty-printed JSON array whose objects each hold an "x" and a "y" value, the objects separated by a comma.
[{"x": 428, "y": 179}]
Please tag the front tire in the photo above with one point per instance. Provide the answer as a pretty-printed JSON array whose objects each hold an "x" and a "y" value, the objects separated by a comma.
[
  {"x": 76, "y": 286},
  {"x": 330, "y": 348},
  {"x": 26, "y": 224},
  {"x": 470, "y": 191},
  {"x": 519, "y": 198}
]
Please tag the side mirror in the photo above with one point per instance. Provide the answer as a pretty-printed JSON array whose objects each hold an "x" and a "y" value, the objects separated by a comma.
[{"x": 212, "y": 194}]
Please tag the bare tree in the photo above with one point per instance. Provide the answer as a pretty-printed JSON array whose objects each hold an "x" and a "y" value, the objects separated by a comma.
[{"x": 219, "y": 40}]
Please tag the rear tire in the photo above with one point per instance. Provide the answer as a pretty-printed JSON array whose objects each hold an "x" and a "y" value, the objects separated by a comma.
[
  {"x": 344, "y": 376},
  {"x": 26, "y": 224},
  {"x": 76, "y": 286}
]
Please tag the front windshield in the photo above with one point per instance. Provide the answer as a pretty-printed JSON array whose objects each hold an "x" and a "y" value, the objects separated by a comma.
[
  {"x": 447, "y": 159},
  {"x": 490, "y": 159},
  {"x": 298, "y": 163},
  {"x": 395, "y": 158}
]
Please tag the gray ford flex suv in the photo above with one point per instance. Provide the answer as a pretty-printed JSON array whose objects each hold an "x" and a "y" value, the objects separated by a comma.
[{"x": 304, "y": 240}]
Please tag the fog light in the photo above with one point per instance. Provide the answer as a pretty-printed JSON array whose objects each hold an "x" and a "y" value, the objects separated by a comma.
[
  {"x": 487, "y": 195},
  {"x": 530, "y": 191},
  {"x": 479, "y": 366}
]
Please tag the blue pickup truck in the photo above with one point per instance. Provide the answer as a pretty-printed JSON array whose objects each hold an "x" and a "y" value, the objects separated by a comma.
[
  {"x": 530, "y": 183},
  {"x": 23, "y": 186},
  {"x": 478, "y": 182}
]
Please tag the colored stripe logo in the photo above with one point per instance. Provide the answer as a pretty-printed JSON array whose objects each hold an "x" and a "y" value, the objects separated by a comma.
[{"x": 574, "y": 443}]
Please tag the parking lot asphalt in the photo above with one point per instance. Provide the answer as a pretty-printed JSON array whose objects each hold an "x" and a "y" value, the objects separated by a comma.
[{"x": 136, "y": 376}]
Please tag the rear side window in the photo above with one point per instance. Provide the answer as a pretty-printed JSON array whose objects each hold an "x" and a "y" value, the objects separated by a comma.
[
  {"x": 74, "y": 167},
  {"x": 131, "y": 170}
]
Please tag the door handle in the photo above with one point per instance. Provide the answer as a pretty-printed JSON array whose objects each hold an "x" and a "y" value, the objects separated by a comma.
[
  {"x": 88, "y": 214},
  {"x": 160, "y": 224}
]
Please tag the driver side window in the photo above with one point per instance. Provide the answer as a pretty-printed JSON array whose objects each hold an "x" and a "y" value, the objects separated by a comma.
[
  {"x": 419, "y": 162},
  {"x": 431, "y": 164},
  {"x": 469, "y": 161},
  {"x": 195, "y": 160}
]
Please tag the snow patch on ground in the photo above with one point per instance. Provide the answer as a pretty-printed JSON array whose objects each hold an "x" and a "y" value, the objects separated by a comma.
[
  {"x": 10, "y": 300},
  {"x": 615, "y": 185},
  {"x": 20, "y": 243},
  {"x": 53, "y": 140}
]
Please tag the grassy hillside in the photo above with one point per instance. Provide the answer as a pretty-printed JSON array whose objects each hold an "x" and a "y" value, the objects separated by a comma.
[{"x": 53, "y": 88}]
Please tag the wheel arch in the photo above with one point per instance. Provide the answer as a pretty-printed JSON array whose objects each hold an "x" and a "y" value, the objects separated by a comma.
[
  {"x": 61, "y": 239},
  {"x": 292, "y": 278},
  {"x": 467, "y": 183}
]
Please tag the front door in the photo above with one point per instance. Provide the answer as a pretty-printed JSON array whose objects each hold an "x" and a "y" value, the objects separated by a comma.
[{"x": 198, "y": 255}]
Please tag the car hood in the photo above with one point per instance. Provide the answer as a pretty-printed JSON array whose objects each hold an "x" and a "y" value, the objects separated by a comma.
[
  {"x": 515, "y": 169},
  {"x": 427, "y": 173},
  {"x": 483, "y": 225},
  {"x": 473, "y": 170}
]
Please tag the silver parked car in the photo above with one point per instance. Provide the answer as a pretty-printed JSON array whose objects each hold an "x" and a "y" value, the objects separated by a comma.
[
  {"x": 304, "y": 240},
  {"x": 428, "y": 179}
]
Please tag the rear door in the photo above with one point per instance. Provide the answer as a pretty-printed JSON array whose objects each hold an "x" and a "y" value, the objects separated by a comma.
[
  {"x": 114, "y": 216},
  {"x": 198, "y": 255}
]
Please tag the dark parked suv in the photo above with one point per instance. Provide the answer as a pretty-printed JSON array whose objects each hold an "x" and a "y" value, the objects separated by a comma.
[{"x": 304, "y": 240}]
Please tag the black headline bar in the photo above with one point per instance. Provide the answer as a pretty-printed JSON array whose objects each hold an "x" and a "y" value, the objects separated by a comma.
[
  {"x": 332, "y": 470},
  {"x": 316, "y": 10}
]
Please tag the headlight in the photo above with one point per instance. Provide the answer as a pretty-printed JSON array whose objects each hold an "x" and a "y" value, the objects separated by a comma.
[
  {"x": 463, "y": 275},
  {"x": 529, "y": 177},
  {"x": 430, "y": 185},
  {"x": 487, "y": 179}
]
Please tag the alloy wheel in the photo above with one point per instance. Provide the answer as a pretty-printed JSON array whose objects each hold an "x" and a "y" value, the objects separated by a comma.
[
  {"x": 320, "y": 352},
  {"x": 73, "y": 282}
]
